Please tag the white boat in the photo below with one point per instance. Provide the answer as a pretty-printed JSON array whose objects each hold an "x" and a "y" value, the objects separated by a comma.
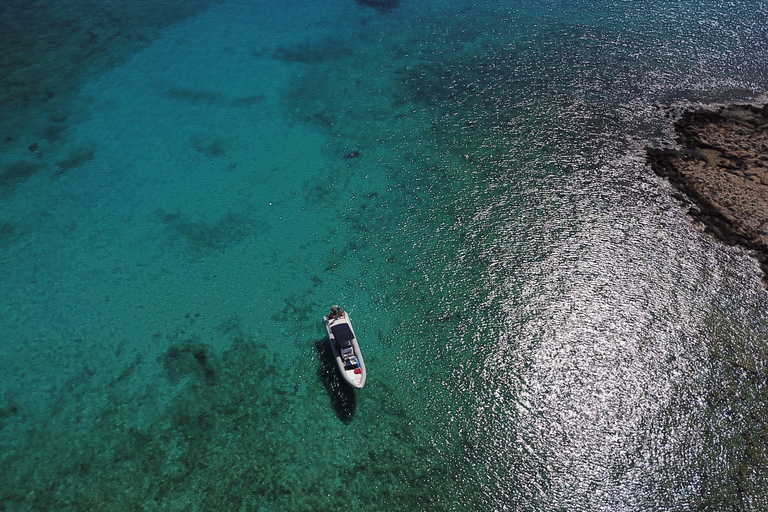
[{"x": 345, "y": 349}]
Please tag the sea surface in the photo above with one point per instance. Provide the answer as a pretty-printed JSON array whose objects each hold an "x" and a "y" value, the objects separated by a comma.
[{"x": 186, "y": 188}]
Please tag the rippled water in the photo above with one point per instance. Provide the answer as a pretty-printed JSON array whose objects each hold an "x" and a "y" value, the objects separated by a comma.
[{"x": 544, "y": 326}]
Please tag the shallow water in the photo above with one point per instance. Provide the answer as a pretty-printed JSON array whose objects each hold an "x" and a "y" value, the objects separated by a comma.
[{"x": 544, "y": 327}]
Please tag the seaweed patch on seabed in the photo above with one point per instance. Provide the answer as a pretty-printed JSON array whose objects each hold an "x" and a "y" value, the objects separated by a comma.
[
  {"x": 299, "y": 307},
  {"x": 379, "y": 5},
  {"x": 8, "y": 408},
  {"x": 193, "y": 96},
  {"x": 200, "y": 236},
  {"x": 210, "y": 146},
  {"x": 14, "y": 173},
  {"x": 95, "y": 35},
  {"x": 239, "y": 395},
  {"x": 189, "y": 357},
  {"x": 78, "y": 157},
  {"x": 8, "y": 231},
  {"x": 311, "y": 52}
]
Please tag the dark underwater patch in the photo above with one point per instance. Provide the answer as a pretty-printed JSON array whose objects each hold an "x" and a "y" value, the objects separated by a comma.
[
  {"x": 200, "y": 235},
  {"x": 193, "y": 96},
  {"x": 189, "y": 357},
  {"x": 211, "y": 147},
  {"x": 309, "y": 52},
  {"x": 17, "y": 172},
  {"x": 77, "y": 158},
  {"x": 38, "y": 72},
  {"x": 8, "y": 408},
  {"x": 298, "y": 307},
  {"x": 379, "y": 5}
]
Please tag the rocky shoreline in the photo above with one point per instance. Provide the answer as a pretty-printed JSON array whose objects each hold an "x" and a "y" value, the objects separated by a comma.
[{"x": 722, "y": 168}]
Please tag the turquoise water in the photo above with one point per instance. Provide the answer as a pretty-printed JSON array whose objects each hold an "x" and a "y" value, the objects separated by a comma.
[{"x": 186, "y": 188}]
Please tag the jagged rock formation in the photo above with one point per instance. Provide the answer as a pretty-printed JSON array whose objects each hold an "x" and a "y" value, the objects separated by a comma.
[{"x": 722, "y": 167}]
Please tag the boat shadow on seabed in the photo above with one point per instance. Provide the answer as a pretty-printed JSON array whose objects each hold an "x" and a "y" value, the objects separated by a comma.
[{"x": 342, "y": 395}]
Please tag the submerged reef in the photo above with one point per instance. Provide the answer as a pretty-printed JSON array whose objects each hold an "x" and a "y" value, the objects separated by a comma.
[
  {"x": 722, "y": 168},
  {"x": 47, "y": 53}
]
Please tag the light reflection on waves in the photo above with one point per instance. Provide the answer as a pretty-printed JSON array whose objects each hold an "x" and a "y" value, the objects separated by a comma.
[
  {"x": 597, "y": 377},
  {"x": 604, "y": 338}
]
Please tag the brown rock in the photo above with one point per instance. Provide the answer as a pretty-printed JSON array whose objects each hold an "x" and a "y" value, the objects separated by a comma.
[{"x": 721, "y": 168}]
